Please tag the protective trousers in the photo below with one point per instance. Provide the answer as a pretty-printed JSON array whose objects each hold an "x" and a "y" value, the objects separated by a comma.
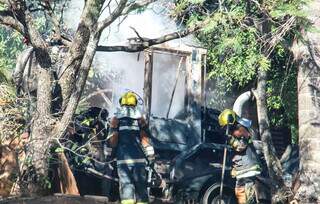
[
  {"x": 133, "y": 184},
  {"x": 245, "y": 190}
]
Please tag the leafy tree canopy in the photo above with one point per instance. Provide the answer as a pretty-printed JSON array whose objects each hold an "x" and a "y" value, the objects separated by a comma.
[{"x": 235, "y": 44}]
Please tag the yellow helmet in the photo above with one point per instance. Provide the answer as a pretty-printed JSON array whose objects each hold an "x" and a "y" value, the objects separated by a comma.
[
  {"x": 128, "y": 99},
  {"x": 227, "y": 116}
]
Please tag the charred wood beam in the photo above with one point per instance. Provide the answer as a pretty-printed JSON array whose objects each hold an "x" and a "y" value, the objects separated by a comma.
[
  {"x": 120, "y": 48},
  {"x": 147, "y": 87}
]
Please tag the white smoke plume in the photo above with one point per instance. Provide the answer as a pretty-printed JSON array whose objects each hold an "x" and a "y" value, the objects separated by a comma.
[{"x": 127, "y": 69}]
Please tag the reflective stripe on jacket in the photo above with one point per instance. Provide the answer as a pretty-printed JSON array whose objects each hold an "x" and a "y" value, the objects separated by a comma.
[
  {"x": 125, "y": 134},
  {"x": 245, "y": 162}
]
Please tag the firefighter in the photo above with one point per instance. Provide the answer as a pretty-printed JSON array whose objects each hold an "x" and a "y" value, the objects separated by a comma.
[
  {"x": 91, "y": 131},
  {"x": 127, "y": 135},
  {"x": 245, "y": 163},
  {"x": 85, "y": 139}
]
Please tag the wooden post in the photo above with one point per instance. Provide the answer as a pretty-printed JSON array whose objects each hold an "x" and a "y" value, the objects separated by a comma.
[
  {"x": 147, "y": 88},
  {"x": 188, "y": 97},
  {"x": 203, "y": 95},
  {"x": 193, "y": 68}
]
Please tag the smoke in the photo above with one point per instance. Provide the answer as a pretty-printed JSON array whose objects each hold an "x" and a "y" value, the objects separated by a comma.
[
  {"x": 167, "y": 73},
  {"x": 127, "y": 69}
]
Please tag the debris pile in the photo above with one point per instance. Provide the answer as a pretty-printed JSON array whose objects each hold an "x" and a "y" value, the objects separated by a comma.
[{"x": 12, "y": 125}]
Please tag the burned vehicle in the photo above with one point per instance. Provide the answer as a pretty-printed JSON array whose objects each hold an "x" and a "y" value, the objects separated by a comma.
[
  {"x": 196, "y": 176},
  {"x": 191, "y": 170}
]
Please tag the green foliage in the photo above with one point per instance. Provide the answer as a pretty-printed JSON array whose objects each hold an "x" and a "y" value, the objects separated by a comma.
[
  {"x": 45, "y": 182},
  {"x": 10, "y": 45},
  {"x": 232, "y": 55},
  {"x": 235, "y": 45},
  {"x": 86, "y": 160},
  {"x": 11, "y": 42},
  {"x": 233, "y": 48},
  {"x": 59, "y": 150},
  {"x": 224, "y": 58},
  {"x": 2, "y": 7},
  {"x": 280, "y": 9},
  {"x": 282, "y": 89}
]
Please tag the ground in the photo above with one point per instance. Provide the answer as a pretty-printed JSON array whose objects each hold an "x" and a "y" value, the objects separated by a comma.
[{"x": 64, "y": 199}]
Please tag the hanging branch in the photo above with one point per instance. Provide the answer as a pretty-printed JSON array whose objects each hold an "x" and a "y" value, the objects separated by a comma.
[{"x": 145, "y": 43}]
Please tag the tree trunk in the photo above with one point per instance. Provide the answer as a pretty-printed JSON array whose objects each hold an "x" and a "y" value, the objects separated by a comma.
[
  {"x": 273, "y": 163},
  {"x": 38, "y": 149},
  {"x": 278, "y": 189},
  {"x": 46, "y": 129},
  {"x": 37, "y": 158},
  {"x": 308, "y": 58},
  {"x": 87, "y": 24}
]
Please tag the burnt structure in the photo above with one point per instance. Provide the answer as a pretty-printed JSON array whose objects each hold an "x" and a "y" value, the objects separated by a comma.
[
  {"x": 175, "y": 111},
  {"x": 184, "y": 133}
]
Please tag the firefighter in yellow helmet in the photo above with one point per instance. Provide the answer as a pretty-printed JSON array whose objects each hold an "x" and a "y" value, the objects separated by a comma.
[
  {"x": 127, "y": 133},
  {"x": 245, "y": 162}
]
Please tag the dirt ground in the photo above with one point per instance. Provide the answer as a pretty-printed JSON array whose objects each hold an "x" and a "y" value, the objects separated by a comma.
[{"x": 64, "y": 199}]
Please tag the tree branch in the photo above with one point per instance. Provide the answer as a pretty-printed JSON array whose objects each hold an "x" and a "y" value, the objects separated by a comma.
[
  {"x": 20, "y": 19},
  {"x": 78, "y": 88},
  {"x": 136, "y": 32},
  {"x": 7, "y": 19},
  {"x": 113, "y": 16},
  {"x": 87, "y": 25},
  {"x": 143, "y": 43},
  {"x": 136, "y": 5},
  {"x": 55, "y": 21},
  {"x": 44, "y": 75}
]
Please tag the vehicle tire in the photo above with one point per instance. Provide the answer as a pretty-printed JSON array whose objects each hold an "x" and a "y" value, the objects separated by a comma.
[{"x": 211, "y": 195}]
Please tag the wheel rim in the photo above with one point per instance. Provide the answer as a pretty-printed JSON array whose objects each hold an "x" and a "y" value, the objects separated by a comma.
[
  {"x": 211, "y": 196},
  {"x": 224, "y": 200}
]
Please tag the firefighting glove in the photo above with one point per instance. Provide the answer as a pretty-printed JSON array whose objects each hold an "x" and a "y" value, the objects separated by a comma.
[{"x": 233, "y": 173}]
